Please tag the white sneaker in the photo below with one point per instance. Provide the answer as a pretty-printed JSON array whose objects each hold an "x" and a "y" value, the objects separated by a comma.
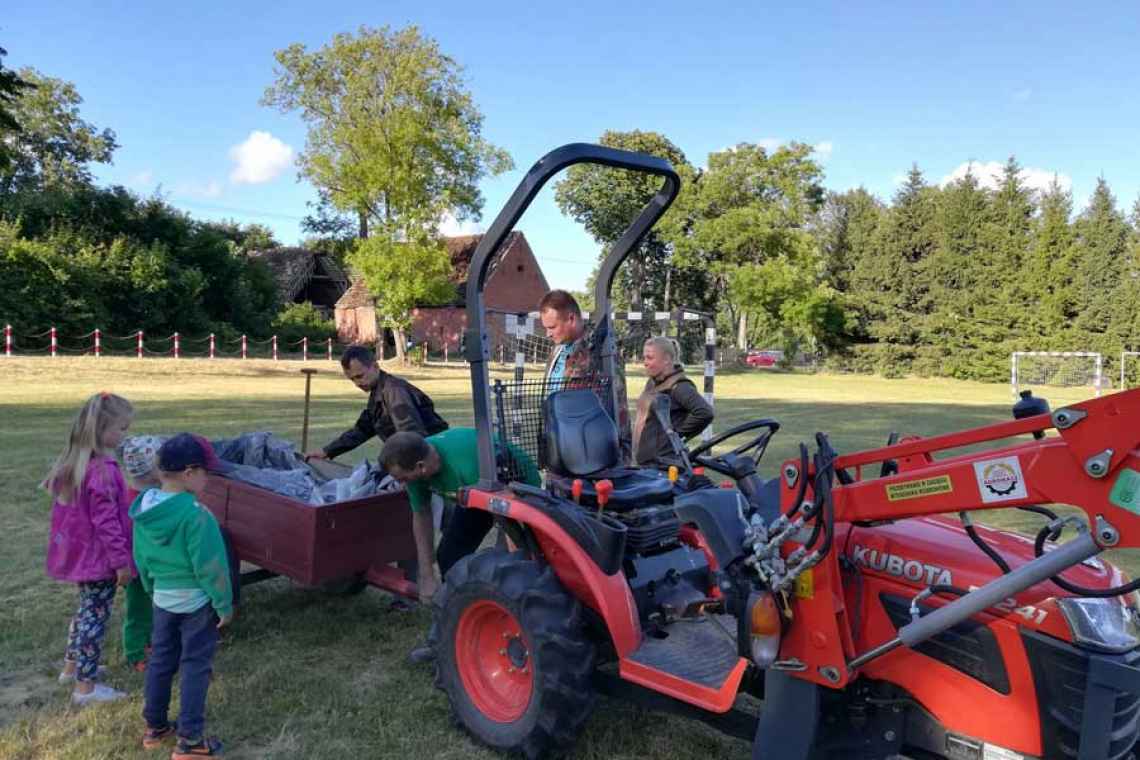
[
  {"x": 101, "y": 693},
  {"x": 65, "y": 678}
]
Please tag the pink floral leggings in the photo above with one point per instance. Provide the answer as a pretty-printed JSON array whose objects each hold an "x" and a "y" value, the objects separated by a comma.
[{"x": 85, "y": 635}]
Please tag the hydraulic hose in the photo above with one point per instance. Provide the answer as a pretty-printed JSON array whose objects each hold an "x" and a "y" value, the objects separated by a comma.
[
  {"x": 989, "y": 551},
  {"x": 825, "y": 507},
  {"x": 1038, "y": 550},
  {"x": 1072, "y": 588}
]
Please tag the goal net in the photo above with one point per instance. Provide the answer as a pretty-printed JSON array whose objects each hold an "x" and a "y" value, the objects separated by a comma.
[{"x": 1063, "y": 369}]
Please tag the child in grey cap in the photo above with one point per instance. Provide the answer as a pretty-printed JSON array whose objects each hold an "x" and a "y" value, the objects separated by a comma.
[{"x": 139, "y": 454}]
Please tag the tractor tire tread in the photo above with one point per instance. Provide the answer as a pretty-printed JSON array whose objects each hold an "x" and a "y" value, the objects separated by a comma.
[{"x": 553, "y": 622}]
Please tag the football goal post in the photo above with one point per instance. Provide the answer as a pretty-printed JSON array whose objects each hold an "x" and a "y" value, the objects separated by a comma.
[{"x": 1064, "y": 369}]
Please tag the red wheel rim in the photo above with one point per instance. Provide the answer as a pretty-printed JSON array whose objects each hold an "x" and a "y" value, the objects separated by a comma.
[{"x": 494, "y": 661}]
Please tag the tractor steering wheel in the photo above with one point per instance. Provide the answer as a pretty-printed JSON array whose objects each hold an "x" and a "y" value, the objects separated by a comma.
[{"x": 759, "y": 443}]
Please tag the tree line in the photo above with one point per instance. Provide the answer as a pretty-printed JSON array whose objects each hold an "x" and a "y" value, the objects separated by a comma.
[
  {"x": 77, "y": 255},
  {"x": 938, "y": 279}
]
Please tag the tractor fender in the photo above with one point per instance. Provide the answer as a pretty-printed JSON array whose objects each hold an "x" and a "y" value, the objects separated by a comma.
[
  {"x": 608, "y": 595},
  {"x": 719, "y": 516}
]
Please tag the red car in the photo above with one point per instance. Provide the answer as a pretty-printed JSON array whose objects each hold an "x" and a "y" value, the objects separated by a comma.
[{"x": 762, "y": 358}]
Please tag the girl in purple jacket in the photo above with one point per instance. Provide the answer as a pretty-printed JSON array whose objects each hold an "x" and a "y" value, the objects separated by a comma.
[{"x": 90, "y": 543}]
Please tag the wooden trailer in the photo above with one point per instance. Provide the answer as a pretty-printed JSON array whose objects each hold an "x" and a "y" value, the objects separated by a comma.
[{"x": 339, "y": 546}]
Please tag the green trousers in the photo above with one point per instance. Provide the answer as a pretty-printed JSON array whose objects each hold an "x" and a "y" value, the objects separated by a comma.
[{"x": 136, "y": 622}]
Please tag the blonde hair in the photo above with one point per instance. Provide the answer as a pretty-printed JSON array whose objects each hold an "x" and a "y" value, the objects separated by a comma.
[
  {"x": 666, "y": 345},
  {"x": 96, "y": 415}
]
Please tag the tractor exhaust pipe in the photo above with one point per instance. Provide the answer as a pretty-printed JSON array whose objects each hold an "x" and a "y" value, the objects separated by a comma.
[{"x": 1002, "y": 587}]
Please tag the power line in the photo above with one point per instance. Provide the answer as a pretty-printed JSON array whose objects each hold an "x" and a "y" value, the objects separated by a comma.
[{"x": 237, "y": 210}]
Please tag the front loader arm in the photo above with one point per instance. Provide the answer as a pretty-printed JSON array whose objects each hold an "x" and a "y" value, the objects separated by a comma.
[{"x": 1094, "y": 464}]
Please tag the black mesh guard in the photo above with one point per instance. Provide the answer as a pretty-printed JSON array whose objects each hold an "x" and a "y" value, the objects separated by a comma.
[{"x": 518, "y": 418}]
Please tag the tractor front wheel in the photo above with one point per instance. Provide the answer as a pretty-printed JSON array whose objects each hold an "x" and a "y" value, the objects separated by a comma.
[{"x": 512, "y": 653}]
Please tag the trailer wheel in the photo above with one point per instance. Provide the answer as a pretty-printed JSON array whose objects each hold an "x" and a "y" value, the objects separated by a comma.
[
  {"x": 512, "y": 653},
  {"x": 350, "y": 586}
]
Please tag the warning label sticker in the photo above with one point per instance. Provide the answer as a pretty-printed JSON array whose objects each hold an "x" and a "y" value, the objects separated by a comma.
[
  {"x": 1000, "y": 480},
  {"x": 914, "y": 489},
  {"x": 805, "y": 585}
]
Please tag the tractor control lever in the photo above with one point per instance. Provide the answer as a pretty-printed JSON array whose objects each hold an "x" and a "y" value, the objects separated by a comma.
[
  {"x": 576, "y": 490},
  {"x": 604, "y": 488}
]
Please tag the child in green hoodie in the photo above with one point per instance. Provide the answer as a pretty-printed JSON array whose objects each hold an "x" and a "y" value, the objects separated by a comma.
[{"x": 182, "y": 564}]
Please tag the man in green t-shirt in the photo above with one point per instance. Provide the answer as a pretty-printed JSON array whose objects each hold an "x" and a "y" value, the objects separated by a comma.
[{"x": 442, "y": 464}]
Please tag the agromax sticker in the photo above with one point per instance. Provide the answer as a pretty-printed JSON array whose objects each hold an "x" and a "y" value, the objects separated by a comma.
[{"x": 1000, "y": 480}]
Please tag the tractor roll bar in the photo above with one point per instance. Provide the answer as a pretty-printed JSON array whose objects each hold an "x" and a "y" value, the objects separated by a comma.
[{"x": 478, "y": 351}]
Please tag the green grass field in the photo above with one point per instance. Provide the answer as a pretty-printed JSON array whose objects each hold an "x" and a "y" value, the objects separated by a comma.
[{"x": 304, "y": 675}]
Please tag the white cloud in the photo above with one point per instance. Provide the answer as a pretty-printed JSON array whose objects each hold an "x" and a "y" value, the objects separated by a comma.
[
  {"x": 989, "y": 175},
  {"x": 261, "y": 158},
  {"x": 770, "y": 143},
  {"x": 823, "y": 149},
  {"x": 449, "y": 226}
]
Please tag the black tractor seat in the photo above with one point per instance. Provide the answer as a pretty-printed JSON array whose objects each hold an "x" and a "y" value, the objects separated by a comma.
[
  {"x": 633, "y": 488},
  {"x": 582, "y": 444}
]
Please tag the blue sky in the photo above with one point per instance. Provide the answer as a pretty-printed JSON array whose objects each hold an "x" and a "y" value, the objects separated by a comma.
[{"x": 876, "y": 86}]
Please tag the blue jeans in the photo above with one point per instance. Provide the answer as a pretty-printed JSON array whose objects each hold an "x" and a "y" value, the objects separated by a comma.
[{"x": 186, "y": 643}]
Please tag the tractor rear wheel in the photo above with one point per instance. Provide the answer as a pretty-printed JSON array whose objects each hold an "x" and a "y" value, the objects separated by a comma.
[{"x": 512, "y": 653}]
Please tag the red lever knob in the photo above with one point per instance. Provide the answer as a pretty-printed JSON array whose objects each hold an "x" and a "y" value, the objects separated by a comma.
[
  {"x": 604, "y": 489},
  {"x": 698, "y": 470},
  {"x": 576, "y": 491}
]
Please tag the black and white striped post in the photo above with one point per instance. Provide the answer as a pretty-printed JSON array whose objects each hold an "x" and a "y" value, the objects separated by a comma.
[
  {"x": 710, "y": 368},
  {"x": 520, "y": 346}
]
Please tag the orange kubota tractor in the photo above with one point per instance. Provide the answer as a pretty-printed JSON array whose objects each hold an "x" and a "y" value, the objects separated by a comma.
[{"x": 871, "y": 625}]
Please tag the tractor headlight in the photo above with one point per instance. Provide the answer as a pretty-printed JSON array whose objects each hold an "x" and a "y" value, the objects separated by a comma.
[
  {"x": 1103, "y": 624},
  {"x": 764, "y": 624}
]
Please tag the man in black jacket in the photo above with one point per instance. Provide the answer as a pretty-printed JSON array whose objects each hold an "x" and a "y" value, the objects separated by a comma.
[{"x": 394, "y": 405}]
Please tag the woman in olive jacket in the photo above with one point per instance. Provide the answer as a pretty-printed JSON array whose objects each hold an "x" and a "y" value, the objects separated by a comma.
[{"x": 689, "y": 413}]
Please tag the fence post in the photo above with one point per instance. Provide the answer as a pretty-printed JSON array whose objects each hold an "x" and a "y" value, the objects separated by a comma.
[
  {"x": 211, "y": 345},
  {"x": 304, "y": 348},
  {"x": 177, "y": 346},
  {"x": 243, "y": 347},
  {"x": 330, "y": 349},
  {"x": 274, "y": 348},
  {"x": 54, "y": 344},
  {"x": 139, "y": 344},
  {"x": 98, "y": 343},
  {"x": 7, "y": 340}
]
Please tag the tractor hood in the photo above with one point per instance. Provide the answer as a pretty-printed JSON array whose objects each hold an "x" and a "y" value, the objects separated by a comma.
[{"x": 936, "y": 550}]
